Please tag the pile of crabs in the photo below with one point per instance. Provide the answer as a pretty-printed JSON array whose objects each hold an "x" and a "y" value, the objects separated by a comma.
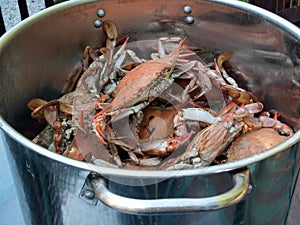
[{"x": 172, "y": 111}]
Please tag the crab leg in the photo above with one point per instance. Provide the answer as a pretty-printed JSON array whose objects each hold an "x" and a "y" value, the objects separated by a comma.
[
  {"x": 198, "y": 114},
  {"x": 274, "y": 123},
  {"x": 225, "y": 56},
  {"x": 182, "y": 69},
  {"x": 160, "y": 47}
]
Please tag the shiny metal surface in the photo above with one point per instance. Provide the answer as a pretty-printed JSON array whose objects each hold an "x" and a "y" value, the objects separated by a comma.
[
  {"x": 266, "y": 48},
  {"x": 173, "y": 205},
  {"x": 208, "y": 29}
]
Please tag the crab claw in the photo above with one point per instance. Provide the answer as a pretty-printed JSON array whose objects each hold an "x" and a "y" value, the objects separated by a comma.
[
  {"x": 51, "y": 114},
  {"x": 277, "y": 125}
]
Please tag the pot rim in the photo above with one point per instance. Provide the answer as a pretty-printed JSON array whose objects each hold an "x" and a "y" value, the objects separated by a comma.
[{"x": 9, "y": 130}]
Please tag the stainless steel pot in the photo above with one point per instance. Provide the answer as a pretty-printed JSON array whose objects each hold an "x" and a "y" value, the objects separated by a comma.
[{"x": 35, "y": 59}]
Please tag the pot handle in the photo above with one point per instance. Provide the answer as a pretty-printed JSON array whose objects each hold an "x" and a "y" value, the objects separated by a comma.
[{"x": 172, "y": 205}]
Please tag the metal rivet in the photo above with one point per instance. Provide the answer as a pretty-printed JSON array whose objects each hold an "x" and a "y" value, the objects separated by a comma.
[
  {"x": 250, "y": 188},
  {"x": 187, "y": 9},
  {"x": 101, "y": 13},
  {"x": 189, "y": 19},
  {"x": 89, "y": 194},
  {"x": 97, "y": 23}
]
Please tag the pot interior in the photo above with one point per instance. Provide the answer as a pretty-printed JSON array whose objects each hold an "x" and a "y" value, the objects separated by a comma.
[{"x": 38, "y": 55}]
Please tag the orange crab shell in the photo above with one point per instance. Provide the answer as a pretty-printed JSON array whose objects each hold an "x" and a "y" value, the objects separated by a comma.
[
  {"x": 253, "y": 143},
  {"x": 146, "y": 81},
  {"x": 140, "y": 83}
]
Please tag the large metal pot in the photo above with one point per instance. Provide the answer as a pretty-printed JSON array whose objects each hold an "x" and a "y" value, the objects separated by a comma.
[{"x": 35, "y": 59}]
